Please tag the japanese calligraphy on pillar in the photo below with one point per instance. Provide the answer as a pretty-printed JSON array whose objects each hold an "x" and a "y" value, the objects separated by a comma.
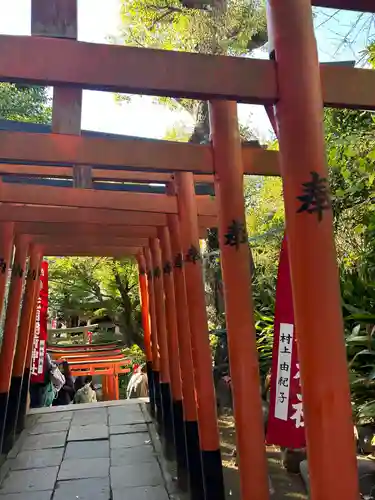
[
  {"x": 167, "y": 268},
  {"x": 315, "y": 198},
  {"x": 179, "y": 261},
  {"x": 236, "y": 234},
  {"x": 285, "y": 423},
  {"x": 40, "y": 331}
]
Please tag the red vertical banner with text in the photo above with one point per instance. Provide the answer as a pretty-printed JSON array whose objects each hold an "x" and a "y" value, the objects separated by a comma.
[
  {"x": 285, "y": 422},
  {"x": 40, "y": 331}
]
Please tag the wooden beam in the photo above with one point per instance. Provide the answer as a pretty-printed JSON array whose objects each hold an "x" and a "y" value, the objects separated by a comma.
[
  {"x": 36, "y": 170},
  {"x": 97, "y": 173},
  {"x": 134, "y": 153},
  {"x": 118, "y": 175},
  {"x": 89, "y": 251},
  {"x": 69, "y": 230},
  {"x": 90, "y": 198},
  {"x": 88, "y": 240},
  {"x": 77, "y": 229},
  {"x": 86, "y": 198},
  {"x": 258, "y": 161},
  {"x": 28, "y": 213},
  {"x": 356, "y": 5},
  {"x": 137, "y": 154},
  {"x": 347, "y": 87},
  {"x": 138, "y": 71}
]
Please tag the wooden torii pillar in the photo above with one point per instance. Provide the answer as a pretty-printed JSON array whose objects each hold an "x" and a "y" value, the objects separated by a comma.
[
  {"x": 165, "y": 377},
  {"x": 146, "y": 323},
  {"x": 19, "y": 385},
  {"x": 190, "y": 415},
  {"x": 314, "y": 274},
  {"x": 10, "y": 330},
  {"x": 30, "y": 326},
  {"x": 205, "y": 393},
  {"x": 6, "y": 247},
  {"x": 235, "y": 264},
  {"x": 174, "y": 358},
  {"x": 154, "y": 338}
]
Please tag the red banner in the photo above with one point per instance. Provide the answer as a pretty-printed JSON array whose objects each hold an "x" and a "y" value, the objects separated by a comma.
[
  {"x": 285, "y": 423},
  {"x": 40, "y": 332}
]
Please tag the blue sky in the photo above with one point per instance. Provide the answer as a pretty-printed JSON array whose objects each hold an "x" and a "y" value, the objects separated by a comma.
[{"x": 99, "y": 18}]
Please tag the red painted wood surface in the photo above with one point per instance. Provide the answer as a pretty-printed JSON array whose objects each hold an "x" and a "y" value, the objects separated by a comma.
[
  {"x": 135, "y": 153},
  {"x": 138, "y": 71}
]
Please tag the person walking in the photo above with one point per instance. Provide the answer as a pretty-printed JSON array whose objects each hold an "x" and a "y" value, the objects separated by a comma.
[
  {"x": 66, "y": 393},
  {"x": 138, "y": 384}
]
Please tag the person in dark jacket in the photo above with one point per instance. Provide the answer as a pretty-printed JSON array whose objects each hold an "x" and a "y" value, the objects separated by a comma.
[
  {"x": 66, "y": 393},
  {"x": 37, "y": 389},
  {"x": 79, "y": 383}
]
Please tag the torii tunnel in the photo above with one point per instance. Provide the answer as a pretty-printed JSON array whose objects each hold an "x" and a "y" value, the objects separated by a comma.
[{"x": 85, "y": 215}]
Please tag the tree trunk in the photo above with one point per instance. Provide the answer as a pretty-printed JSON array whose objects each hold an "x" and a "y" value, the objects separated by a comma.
[
  {"x": 201, "y": 132},
  {"x": 131, "y": 334}
]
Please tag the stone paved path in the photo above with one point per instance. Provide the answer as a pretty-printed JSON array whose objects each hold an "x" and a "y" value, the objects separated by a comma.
[{"x": 101, "y": 451}]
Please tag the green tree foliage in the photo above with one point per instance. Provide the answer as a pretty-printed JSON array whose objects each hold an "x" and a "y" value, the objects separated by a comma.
[
  {"x": 97, "y": 287},
  {"x": 179, "y": 132},
  {"x": 234, "y": 27},
  {"x": 351, "y": 156},
  {"x": 24, "y": 103}
]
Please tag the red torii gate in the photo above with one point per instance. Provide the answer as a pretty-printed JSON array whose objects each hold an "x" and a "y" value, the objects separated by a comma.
[
  {"x": 109, "y": 364},
  {"x": 297, "y": 86}
]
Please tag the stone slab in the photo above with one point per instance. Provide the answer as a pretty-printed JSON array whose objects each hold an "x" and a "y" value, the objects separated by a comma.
[
  {"x": 128, "y": 409},
  {"x": 88, "y": 432},
  {"x": 83, "y": 489},
  {"x": 31, "y": 420},
  {"x": 142, "y": 493},
  {"x": 20, "y": 481},
  {"x": 35, "y": 495},
  {"x": 42, "y": 441},
  {"x": 90, "y": 417},
  {"x": 54, "y": 417},
  {"x": 126, "y": 456},
  {"x": 129, "y": 440},
  {"x": 125, "y": 416},
  {"x": 87, "y": 449},
  {"x": 127, "y": 429},
  {"x": 81, "y": 469},
  {"x": 35, "y": 459},
  {"x": 46, "y": 428},
  {"x": 136, "y": 475}
]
